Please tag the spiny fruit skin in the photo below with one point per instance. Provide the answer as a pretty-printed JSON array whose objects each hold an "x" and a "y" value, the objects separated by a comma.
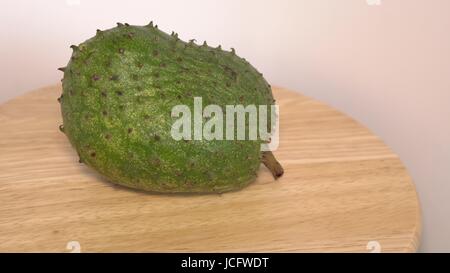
[{"x": 118, "y": 91}]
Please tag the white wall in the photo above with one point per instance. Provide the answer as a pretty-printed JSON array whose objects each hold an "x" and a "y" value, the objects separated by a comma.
[{"x": 388, "y": 66}]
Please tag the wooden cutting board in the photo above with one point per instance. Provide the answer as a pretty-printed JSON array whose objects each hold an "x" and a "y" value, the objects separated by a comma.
[{"x": 343, "y": 190}]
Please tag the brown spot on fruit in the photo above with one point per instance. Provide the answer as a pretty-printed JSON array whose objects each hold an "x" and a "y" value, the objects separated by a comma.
[
  {"x": 114, "y": 78},
  {"x": 188, "y": 183},
  {"x": 155, "y": 161}
]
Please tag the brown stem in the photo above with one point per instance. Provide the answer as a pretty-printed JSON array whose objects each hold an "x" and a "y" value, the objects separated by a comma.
[{"x": 272, "y": 164}]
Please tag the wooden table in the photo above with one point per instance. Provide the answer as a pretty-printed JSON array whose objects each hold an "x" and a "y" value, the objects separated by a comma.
[{"x": 343, "y": 191}]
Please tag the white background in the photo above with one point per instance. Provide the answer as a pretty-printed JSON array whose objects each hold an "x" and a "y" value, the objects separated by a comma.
[{"x": 386, "y": 65}]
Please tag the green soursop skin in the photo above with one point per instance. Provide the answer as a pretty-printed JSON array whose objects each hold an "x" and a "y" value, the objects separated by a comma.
[{"x": 119, "y": 88}]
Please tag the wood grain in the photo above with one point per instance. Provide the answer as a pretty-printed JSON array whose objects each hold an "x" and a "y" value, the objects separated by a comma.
[{"x": 342, "y": 188}]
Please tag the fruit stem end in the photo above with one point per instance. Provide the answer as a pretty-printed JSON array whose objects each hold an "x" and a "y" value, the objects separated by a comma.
[{"x": 269, "y": 160}]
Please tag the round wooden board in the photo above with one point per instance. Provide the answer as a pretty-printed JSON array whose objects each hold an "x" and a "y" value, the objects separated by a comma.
[{"x": 343, "y": 191}]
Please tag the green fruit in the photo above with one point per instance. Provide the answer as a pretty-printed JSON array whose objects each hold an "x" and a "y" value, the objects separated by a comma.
[{"x": 118, "y": 91}]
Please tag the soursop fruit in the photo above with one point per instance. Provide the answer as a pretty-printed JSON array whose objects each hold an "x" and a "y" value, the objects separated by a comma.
[{"x": 119, "y": 89}]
